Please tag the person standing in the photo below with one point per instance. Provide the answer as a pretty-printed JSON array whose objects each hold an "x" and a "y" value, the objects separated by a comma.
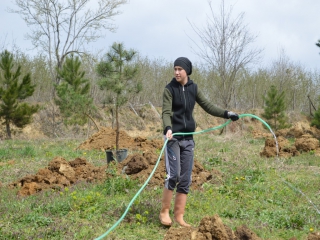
[{"x": 179, "y": 99}]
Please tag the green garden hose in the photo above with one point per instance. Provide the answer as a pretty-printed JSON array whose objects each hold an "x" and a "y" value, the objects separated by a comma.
[{"x": 203, "y": 131}]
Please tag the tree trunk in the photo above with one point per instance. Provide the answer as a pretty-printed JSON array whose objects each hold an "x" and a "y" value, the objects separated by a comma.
[
  {"x": 8, "y": 129},
  {"x": 311, "y": 104},
  {"x": 117, "y": 130}
]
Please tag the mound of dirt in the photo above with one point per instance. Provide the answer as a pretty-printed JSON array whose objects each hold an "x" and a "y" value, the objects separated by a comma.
[
  {"x": 106, "y": 139},
  {"x": 211, "y": 228},
  {"x": 306, "y": 139},
  {"x": 138, "y": 165},
  {"x": 59, "y": 174},
  {"x": 284, "y": 147}
]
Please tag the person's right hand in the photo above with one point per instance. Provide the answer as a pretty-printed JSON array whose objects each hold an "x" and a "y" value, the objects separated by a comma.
[
  {"x": 233, "y": 116},
  {"x": 169, "y": 134}
]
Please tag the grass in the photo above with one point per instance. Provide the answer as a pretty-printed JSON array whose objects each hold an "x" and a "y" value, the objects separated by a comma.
[{"x": 273, "y": 197}]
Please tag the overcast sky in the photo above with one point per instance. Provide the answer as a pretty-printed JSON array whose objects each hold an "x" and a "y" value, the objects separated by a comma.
[{"x": 160, "y": 28}]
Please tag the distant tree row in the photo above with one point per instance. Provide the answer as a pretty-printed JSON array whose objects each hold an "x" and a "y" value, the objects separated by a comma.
[
  {"x": 80, "y": 93},
  {"x": 297, "y": 82}
]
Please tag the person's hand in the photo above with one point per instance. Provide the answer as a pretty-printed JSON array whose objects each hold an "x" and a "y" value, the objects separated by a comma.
[
  {"x": 169, "y": 134},
  {"x": 233, "y": 116}
]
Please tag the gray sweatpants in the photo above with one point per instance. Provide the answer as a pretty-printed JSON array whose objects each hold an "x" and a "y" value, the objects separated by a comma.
[{"x": 179, "y": 164}]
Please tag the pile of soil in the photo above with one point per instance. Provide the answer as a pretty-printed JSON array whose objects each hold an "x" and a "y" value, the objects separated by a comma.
[
  {"x": 59, "y": 174},
  {"x": 138, "y": 165},
  {"x": 211, "y": 228},
  {"x": 304, "y": 136},
  {"x": 106, "y": 139}
]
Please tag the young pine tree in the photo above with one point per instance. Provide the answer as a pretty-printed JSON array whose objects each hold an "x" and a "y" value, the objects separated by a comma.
[
  {"x": 13, "y": 90},
  {"x": 316, "y": 119},
  {"x": 274, "y": 111},
  {"x": 74, "y": 99},
  {"x": 118, "y": 76}
]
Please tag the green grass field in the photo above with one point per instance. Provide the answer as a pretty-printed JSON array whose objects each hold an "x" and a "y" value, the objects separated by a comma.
[{"x": 276, "y": 198}]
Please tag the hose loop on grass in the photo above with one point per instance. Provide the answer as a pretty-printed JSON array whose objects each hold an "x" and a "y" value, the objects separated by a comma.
[{"x": 199, "y": 132}]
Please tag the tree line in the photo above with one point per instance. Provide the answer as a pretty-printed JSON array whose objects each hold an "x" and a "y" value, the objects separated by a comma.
[{"x": 81, "y": 90}]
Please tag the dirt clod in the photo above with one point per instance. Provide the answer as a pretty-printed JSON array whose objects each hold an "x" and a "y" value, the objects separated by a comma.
[
  {"x": 244, "y": 233},
  {"x": 136, "y": 164},
  {"x": 314, "y": 236}
]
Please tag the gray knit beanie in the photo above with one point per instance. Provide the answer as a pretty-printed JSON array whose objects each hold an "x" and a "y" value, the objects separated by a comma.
[{"x": 184, "y": 63}]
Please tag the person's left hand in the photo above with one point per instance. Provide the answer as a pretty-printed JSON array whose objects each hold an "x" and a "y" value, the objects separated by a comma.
[
  {"x": 169, "y": 134},
  {"x": 233, "y": 116}
]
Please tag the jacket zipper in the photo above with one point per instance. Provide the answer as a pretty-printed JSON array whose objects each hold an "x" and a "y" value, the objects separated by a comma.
[{"x": 185, "y": 108}]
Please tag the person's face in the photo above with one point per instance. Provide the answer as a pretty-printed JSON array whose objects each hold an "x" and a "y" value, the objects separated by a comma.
[{"x": 180, "y": 75}]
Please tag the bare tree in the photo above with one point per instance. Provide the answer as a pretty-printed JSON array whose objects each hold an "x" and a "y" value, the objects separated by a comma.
[
  {"x": 225, "y": 47},
  {"x": 293, "y": 79},
  {"x": 61, "y": 27}
]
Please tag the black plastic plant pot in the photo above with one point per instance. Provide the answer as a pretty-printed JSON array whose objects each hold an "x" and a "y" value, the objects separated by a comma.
[{"x": 118, "y": 156}]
